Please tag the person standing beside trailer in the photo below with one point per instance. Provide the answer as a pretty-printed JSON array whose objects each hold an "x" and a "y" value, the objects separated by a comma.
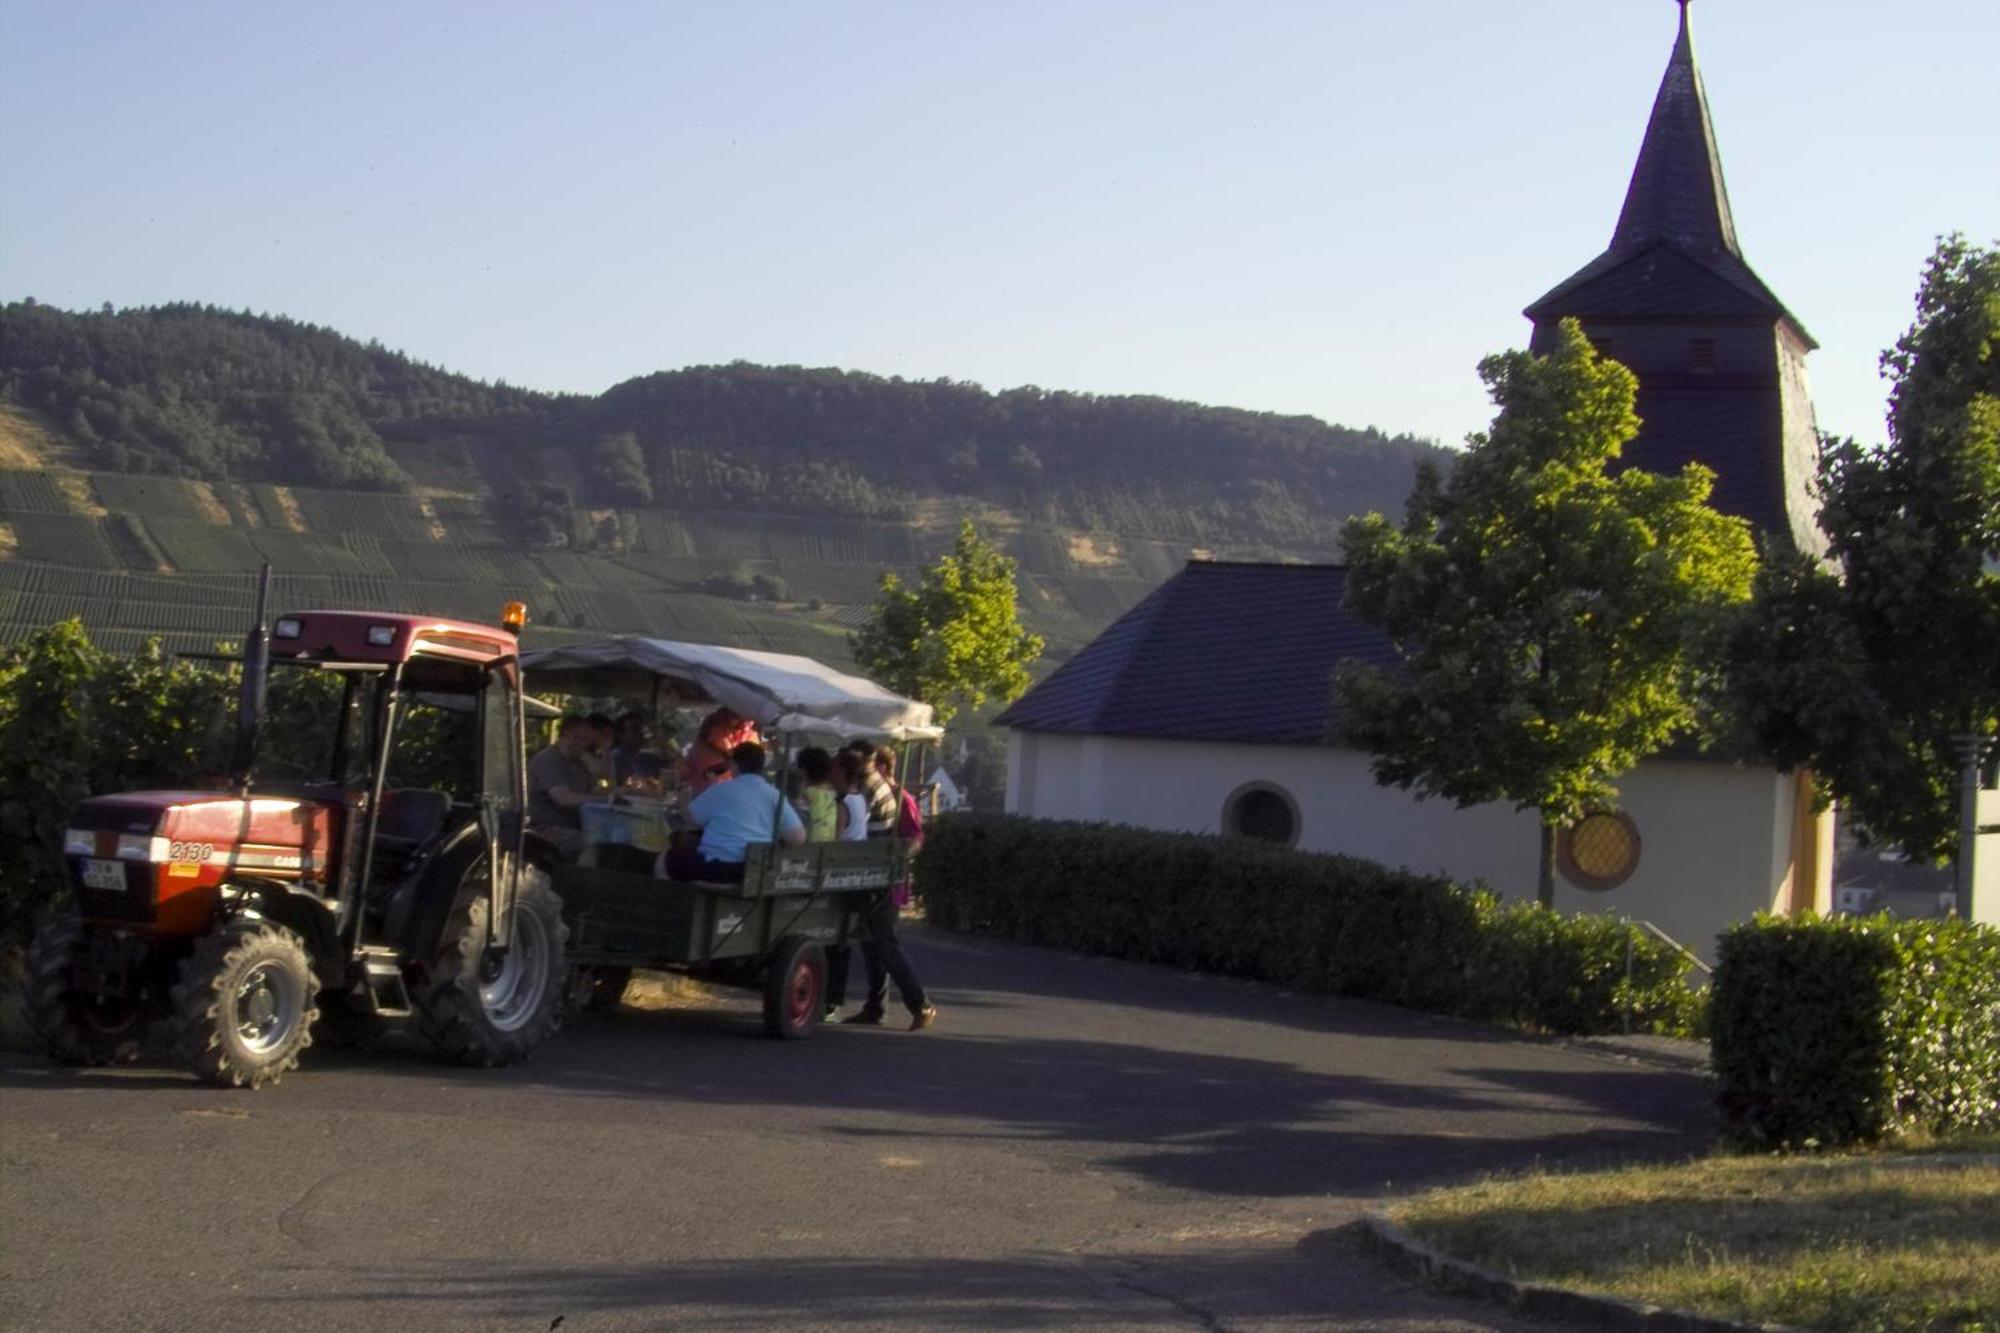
[{"x": 881, "y": 951}]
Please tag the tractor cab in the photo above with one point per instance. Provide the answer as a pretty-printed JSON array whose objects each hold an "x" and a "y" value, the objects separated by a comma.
[{"x": 366, "y": 858}]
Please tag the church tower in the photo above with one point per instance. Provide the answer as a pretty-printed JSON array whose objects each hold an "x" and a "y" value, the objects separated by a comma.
[{"x": 1721, "y": 362}]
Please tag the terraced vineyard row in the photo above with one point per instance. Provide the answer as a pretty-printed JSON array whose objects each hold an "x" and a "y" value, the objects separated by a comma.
[{"x": 31, "y": 493}]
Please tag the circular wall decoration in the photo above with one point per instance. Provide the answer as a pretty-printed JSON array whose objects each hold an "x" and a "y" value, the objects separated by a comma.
[
  {"x": 1264, "y": 811},
  {"x": 1599, "y": 851}
]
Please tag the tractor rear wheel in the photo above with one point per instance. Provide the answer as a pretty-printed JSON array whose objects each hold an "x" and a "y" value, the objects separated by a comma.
[
  {"x": 78, "y": 1029},
  {"x": 481, "y": 1007},
  {"x": 794, "y": 988},
  {"x": 244, "y": 1007}
]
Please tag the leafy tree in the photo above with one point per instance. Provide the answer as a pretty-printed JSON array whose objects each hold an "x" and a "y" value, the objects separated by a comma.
[
  {"x": 76, "y": 721},
  {"x": 537, "y": 515},
  {"x": 955, "y": 640},
  {"x": 618, "y": 470},
  {"x": 1554, "y": 618},
  {"x": 1868, "y": 671}
]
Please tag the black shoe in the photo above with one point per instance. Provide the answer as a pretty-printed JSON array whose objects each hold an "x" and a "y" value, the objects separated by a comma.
[
  {"x": 871, "y": 1017},
  {"x": 923, "y": 1018}
]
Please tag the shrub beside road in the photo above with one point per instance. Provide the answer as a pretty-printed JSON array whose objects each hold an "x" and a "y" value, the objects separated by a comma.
[
  {"x": 1334, "y": 925},
  {"x": 1838, "y": 1031}
]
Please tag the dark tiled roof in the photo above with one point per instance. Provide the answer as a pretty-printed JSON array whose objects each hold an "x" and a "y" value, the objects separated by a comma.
[
  {"x": 1733, "y": 431},
  {"x": 1221, "y": 652},
  {"x": 1660, "y": 281}
]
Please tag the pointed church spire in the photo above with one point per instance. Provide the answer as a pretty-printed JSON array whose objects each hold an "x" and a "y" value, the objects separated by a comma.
[{"x": 1676, "y": 194}]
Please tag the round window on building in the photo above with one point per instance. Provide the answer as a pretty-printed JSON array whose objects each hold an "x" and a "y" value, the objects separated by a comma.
[
  {"x": 1264, "y": 811},
  {"x": 1599, "y": 851}
]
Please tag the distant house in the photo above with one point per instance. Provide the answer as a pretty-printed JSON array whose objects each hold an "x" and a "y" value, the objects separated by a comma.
[{"x": 1209, "y": 706}]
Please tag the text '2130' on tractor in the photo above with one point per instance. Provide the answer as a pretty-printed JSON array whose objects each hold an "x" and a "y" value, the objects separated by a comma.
[{"x": 368, "y": 859}]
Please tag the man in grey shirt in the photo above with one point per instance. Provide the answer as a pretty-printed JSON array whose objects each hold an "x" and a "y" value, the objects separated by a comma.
[{"x": 559, "y": 783}]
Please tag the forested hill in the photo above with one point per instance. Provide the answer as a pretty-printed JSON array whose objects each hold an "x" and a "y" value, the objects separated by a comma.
[
  {"x": 194, "y": 391},
  {"x": 208, "y": 394}
]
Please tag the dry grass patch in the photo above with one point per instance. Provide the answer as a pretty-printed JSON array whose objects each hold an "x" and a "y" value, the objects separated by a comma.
[
  {"x": 1088, "y": 552},
  {"x": 669, "y": 990},
  {"x": 77, "y": 490},
  {"x": 288, "y": 504},
  {"x": 1859, "y": 1244},
  {"x": 25, "y": 442}
]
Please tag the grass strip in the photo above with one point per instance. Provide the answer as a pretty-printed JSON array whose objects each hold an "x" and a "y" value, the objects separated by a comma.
[{"x": 1856, "y": 1244}]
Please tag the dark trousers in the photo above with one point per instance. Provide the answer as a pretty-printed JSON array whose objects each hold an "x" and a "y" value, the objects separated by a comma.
[
  {"x": 685, "y": 863},
  {"x": 882, "y": 955}
]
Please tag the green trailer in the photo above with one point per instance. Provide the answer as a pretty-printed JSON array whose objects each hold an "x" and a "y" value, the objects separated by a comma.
[{"x": 797, "y": 904}]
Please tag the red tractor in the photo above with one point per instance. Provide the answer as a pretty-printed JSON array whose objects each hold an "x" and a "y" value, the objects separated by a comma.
[{"x": 328, "y": 898}]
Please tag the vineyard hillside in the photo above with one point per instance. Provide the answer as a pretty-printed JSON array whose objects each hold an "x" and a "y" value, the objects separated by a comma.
[{"x": 151, "y": 460}]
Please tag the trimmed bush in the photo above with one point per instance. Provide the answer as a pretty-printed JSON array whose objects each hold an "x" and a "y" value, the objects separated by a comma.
[
  {"x": 1332, "y": 924},
  {"x": 1839, "y": 1030}
]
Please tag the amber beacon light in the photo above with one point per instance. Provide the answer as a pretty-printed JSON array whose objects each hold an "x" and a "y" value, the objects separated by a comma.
[{"x": 513, "y": 616}]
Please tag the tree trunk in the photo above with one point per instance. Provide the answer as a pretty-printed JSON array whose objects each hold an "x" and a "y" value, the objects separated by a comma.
[{"x": 1545, "y": 880}]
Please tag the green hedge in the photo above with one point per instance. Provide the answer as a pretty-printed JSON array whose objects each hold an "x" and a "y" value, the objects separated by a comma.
[
  {"x": 1839, "y": 1030},
  {"x": 1332, "y": 924}
]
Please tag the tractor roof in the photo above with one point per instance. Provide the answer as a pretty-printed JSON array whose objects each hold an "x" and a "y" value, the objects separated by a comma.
[{"x": 375, "y": 636}]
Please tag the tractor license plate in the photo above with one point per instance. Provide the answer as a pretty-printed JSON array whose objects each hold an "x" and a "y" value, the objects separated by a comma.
[{"x": 104, "y": 875}]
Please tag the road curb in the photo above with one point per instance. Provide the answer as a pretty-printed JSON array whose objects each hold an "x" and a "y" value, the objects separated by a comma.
[{"x": 1411, "y": 1257}]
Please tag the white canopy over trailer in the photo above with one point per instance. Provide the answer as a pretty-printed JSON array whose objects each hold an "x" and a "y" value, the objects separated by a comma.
[{"x": 782, "y": 692}]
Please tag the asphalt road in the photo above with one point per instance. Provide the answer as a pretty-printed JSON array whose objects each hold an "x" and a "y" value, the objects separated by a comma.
[{"x": 1078, "y": 1144}]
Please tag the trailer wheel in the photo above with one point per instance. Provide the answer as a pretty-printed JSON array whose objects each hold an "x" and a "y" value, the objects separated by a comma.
[
  {"x": 483, "y": 1008},
  {"x": 244, "y": 1007},
  {"x": 78, "y": 1029},
  {"x": 595, "y": 990},
  {"x": 794, "y": 988}
]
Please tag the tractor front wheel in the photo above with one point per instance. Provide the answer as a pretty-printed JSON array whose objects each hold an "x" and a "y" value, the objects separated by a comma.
[
  {"x": 78, "y": 1029},
  {"x": 794, "y": 988},
  {"x": 480, "y": 1006},
  {"x": 244, "y": 1007}
]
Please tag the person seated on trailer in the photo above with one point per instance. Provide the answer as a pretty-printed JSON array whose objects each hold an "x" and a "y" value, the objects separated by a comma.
[
  {"x": 733, "y": 817},
  {"x": 559, "y": 784},
  {"x": 874, "y": 788},
  {"x": 634, "y": 764},
  {"x": 707, "y": 758},
  {"x": 851, "y": 816},
  {"x": 597, "y": 754},
  {"x": 819, "y": 803}
]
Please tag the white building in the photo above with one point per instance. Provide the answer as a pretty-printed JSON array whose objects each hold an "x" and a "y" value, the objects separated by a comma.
[{"x": 1207, "y": 709}]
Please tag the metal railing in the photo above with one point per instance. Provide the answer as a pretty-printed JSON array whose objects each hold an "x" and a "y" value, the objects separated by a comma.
[{"x": 1665, "y": 939}]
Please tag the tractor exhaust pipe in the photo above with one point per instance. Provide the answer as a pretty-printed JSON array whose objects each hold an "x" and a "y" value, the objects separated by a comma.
[{"x": 256, "y": 672}]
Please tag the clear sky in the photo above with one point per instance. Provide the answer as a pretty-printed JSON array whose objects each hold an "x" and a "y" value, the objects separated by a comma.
[{"x": 1330, "y": 208}]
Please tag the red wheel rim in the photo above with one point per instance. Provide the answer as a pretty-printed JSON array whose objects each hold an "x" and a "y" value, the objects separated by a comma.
[{"x": 802, "y": 993}]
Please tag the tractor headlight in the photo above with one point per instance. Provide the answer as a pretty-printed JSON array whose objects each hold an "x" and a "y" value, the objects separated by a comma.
[
  {"x": 288, "y": 628},
  {"x": 381, "y": 636}
]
